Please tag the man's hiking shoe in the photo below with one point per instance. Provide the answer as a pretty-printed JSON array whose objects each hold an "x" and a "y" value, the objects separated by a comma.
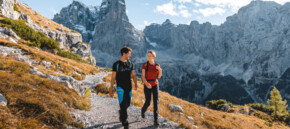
[
  {"x": 125, "y": 124},
  {"x": 126, "y": 127},
  {"x": 120, "y": 116},
  {"x": 143, "y": 114}
]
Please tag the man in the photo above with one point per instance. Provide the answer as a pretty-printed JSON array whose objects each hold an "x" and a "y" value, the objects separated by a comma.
[{"x": 122, "y": 71}]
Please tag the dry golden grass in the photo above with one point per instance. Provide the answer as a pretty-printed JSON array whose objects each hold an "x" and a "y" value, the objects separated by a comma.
[
  {"x": 34, "y": 101},
  {"x": 102, "y": 88},
  {"x": 211, "y": 118},
  {"x": 65, "y": 66},
  {"x": 78, "y": 77},
  {"x": 39, "y": 19}
]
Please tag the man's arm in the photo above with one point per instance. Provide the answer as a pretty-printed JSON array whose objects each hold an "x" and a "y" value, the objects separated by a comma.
[
  {"x": 112, "y": 83},
  {"x": 135, "y": 79}
]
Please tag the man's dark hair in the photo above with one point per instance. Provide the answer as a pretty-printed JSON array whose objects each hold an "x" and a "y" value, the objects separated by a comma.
[{"x": 125, "y": 50}]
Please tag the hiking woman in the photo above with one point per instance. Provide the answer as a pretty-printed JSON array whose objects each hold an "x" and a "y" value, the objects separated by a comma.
[{"x": 151, "y": 71}]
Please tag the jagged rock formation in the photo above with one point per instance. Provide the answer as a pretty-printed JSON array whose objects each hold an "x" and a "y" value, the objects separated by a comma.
[
  {"x": 101, "y": 30},
  {"x": 240, "y": 60},
  {"x": 67, "y": 40},
  {"x": 81, "y": 18}
]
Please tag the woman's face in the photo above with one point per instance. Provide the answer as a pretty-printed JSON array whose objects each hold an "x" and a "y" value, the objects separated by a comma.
[{"x": 150, "y": 57}]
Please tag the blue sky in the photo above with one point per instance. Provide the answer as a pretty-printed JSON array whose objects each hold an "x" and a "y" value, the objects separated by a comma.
[{"x": 144, "y": 12}]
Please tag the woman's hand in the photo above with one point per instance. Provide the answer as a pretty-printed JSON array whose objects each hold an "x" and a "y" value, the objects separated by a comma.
[
  {"x": 158, "y": 68},
  {"x": 148, "y": 85}
]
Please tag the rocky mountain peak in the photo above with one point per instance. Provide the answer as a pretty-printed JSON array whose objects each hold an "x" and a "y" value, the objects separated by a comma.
[
  {"x": 167, "y": 21},
  {"x": 258, "y": 8},
  {"x": 79, "y": 17},
  {"x": 115, "y": 9},
  {"x": 78, "y": 3},
  {"x": 113, "y": 31}
]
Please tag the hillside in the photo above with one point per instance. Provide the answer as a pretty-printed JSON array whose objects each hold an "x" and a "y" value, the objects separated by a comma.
[
  {"x": 68, "y": 40},
  {"x": 43, "y": 89},
  {"x": 58, "y": 97}
]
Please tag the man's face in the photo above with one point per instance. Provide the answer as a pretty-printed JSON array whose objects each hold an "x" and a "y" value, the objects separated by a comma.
[{"x": 128, "y": 55}]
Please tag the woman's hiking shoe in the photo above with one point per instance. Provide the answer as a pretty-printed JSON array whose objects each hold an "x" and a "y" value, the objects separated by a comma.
[
  {"x": 156, "y": 123},
  {"x": 125, "y": 124}
]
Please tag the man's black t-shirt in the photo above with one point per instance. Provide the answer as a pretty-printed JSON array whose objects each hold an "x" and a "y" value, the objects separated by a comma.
[{"x": 123, "y": 74}]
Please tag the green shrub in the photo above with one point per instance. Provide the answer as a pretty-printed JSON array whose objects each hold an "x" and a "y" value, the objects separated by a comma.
[
  {"x": 69, "y": 55},
  {"x": 288, "y": 119},
  {"x": 74, "y": 31},
  {"x": 224, "y": 116},
  {"x": 261, "y": 107},
  {"x": 217, "y": 104},
  {"x": 16, "y": 8},
  {"x": 37, "y": 39},
  {"x": 108, "y": 69},
  {"x": 270, "y": 124},
  {"x": 262, "y": 116}
]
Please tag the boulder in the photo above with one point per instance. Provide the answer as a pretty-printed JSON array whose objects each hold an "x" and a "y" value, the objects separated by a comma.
[{"x": 175, "y": 108}]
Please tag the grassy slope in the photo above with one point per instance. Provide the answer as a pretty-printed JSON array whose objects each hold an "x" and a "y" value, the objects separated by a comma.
[
  {"x": 41, "y": 20},
  {"x": 34, "y": 101},
  {"x": 210, "y": 119}
]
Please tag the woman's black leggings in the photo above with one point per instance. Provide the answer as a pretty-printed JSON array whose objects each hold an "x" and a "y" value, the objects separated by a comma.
[{"x": 154, "y": 90}]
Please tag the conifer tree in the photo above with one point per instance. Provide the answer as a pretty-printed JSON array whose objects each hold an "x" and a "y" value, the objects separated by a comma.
[{"x": 275, "y": 102}]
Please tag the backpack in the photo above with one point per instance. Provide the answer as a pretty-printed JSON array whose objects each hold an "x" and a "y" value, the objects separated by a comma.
[{"x": 146, "y": 65}]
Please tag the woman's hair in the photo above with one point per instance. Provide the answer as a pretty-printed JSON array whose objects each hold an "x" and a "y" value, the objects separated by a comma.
[{"x": 152, "y": 52}]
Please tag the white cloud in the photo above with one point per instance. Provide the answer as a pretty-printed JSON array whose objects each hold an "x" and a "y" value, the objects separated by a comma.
[
  {"x": 279, "y": 1},
  {"x": 195, "y": 11},
  {"x": 53, "y": 10},
  {"x": 127, "y": 11},
  {"x": 198, "y": 18},
  {"x": 232, "y": 4},
  {"x": 197, "y": 4},
  {"x": 183, "y": 1},
  {"x": 211, "y": 11},
  {"x": 168, "y": 8},
  {"x": 147, "y": 23},
  {"x": 185, "y": 13},
  {"x": 181, "y": 7}
]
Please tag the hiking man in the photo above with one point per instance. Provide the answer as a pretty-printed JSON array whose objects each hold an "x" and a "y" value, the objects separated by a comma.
[{"x": 122, "y": 71}]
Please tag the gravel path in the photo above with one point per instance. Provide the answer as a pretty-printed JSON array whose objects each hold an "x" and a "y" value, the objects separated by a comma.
[
  {"x": 104, "y": 112},
  {"x": 104, "y": 115}
]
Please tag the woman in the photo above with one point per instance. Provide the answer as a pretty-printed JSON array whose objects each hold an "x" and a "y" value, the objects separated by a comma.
[{"x": 151, "y": 71}]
